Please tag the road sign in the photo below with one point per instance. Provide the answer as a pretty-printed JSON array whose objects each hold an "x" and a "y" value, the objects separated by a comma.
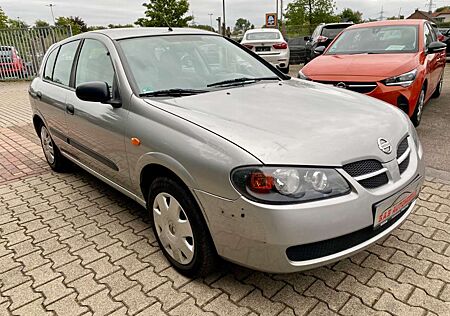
[{"x": 271, "y": 20}]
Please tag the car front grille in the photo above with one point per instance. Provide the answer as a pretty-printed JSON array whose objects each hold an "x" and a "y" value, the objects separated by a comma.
[
  {"x": 371, "y": 174},
  {"x": 361, "y": 87},
  {"x": 331, "y": 246}
]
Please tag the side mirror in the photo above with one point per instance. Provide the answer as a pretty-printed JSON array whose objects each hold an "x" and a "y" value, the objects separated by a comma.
[
  {"x": 319, "y": 50},
  {"x": 95, "y": 91},
  {"x": 307, "y": 38},
  {"x": 436, "y": 47}
]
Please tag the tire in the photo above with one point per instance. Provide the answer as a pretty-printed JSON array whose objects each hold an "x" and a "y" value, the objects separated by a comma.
[
  {"x": 52, "y": 154},
  {"x": 285, "y": 70},
  {"x": 438, "y": 91},
  {"x": 418, "y": 111},
  {"x": 192, "y": 254}
]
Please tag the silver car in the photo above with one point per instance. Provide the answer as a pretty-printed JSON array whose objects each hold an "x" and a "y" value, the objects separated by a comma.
[{"x": 232, "y": 158}]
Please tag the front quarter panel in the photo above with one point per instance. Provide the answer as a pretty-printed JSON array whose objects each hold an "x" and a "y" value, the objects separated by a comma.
[{"x": 197, "y": 156}]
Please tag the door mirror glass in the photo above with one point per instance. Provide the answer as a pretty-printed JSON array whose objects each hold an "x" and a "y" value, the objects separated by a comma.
[
  {"x": 95, "y": 91},
  {"x": 319, "y": 50},
  {"x": 436, "y": 47}
]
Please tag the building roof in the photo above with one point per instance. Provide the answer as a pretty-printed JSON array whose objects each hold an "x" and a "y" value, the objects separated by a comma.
[
  {"x": 424, "y": 15},
  {"x": 445, "y": 11}
]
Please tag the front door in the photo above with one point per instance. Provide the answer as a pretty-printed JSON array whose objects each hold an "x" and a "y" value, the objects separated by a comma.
[{"x": 96, "y": 130}]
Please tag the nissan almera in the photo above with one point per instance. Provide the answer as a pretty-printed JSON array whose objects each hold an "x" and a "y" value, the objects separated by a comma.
[{"x": 232, "y": 158}]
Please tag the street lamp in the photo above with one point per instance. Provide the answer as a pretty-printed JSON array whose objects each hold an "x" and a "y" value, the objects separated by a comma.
[
  {"x": 210, "y": 19},
  {"x": 224, "y": 28},
  {"x": 51, "y": 9}
]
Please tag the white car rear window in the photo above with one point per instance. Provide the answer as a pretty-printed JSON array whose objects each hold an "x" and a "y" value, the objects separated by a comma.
[{"x": 263, "y": 36}]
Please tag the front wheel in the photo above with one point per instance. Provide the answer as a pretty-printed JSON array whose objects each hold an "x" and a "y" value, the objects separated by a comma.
[
  {"x": 180, "y": 230},
  {"x": 417, "y": 115}
]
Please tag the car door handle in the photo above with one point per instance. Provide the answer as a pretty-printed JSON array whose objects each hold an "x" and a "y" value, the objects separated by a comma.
[
  {"x": 70, "y": 109},
  {"x": 35, "y": 95},
  {"x": 39, "y": 95}
]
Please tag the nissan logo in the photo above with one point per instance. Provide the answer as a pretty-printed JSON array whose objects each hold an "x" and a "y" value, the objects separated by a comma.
[
  {"x": 384, "y": 145},
  {"x": 341, "y": 85}
]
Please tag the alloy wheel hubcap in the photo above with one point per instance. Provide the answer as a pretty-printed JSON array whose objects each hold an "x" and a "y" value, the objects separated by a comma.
[
  {"x": 173, "y": 228},
  {"x": 47, "y": 145}
]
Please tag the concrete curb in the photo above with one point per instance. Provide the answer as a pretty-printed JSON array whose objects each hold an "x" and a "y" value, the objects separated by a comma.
[{"x": 438, "y": 174}]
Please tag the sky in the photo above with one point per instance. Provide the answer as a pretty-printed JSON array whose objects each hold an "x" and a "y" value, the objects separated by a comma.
[{"x": 104, "y": 12}]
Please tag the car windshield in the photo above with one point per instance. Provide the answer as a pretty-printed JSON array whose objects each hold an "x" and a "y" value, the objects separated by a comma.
[
  {"x": 189, "y": 62},
  {"x": 376, "y": 40},
  {"x": 333, "y": 31},
  {"x": 5, "y": 52},
  {"x": 260, "y": 36}
]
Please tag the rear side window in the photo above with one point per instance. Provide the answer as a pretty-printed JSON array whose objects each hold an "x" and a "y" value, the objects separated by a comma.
[
  {"x": 332, "y": 32},
  {"x": 64, "y": 61},
  {"x": 94, "y": 64},
  {"x": 50, "y": 64}
]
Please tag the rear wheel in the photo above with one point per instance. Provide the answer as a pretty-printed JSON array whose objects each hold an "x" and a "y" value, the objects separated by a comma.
[
  {"x": 57, "y": 162},
  {"x": 438, "y": 91},
  {"x": 417, "y": 115},
  {"x": 179, "y": 227}
]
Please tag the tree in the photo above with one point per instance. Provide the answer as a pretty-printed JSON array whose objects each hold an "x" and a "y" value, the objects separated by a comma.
[
  {"x": 310, "y": 12},
  {"x": 117, "y": 26},
  {"x": 348, "y": 15},
  {"x": 41, "y": 23},
  {"x": 165, "y": 12},
  {"x": 75, "y": 22},
  {"x": 446, "y": 8},
  {"x": 242, "y": 25},
  {"x": 3, "y": 19},
  {"x": 17, "y": 24}
]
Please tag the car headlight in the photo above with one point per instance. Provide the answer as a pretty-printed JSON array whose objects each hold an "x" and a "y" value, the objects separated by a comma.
[
  {"x": 288, "y": 185},
  {"x": 302, "y": 76},
  {"x": 404, "y": 80}
]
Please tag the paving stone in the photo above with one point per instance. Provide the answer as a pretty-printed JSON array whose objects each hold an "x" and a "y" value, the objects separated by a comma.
[
  {"x": 101, "y": 303},
  {"x": 334, "y": 299},
  {"x": 188, "y": 308},
  {"x": 33, "y": 308},
  {"x": 420, "y": 298},
  {"x": 167, "y": 296},
  {"x": 68, "y": 306},
  {"x": 388, "y": 303},
  {"x": 86, "y": 286},
  {"x": 235, "y": 289},
  {"x": 400, "y": 290},
  {"x": 154, "y": 310},
  {"x": 299, "y": 303},
  {"x": 267, "y": 285},
  {"x": 11, "y": 278},
  {"x": 431, "y": 286},
  {"x": 21, "y": 295},
  {"x": 223, "y": 306},
  {"x": 43, "y": 274},
  {"x": 102, "y": 267},
  {"x": 54, "y": 290},
  {"x": 135, "y": 299},
  {"x": 366, "y": 293},
  {"x": 359, "y": 272},
  {"x": 299, "y": 282},
  {"x": 354, "y": 306},
  {"x": 420, "y": 266},
  {"x": 262, "y": 305},
  {"x": 428, "y": 254},
  {"x": 117, "y": 282}
]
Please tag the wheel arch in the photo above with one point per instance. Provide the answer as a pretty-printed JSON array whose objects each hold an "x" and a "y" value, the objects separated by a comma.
[{"x": 37, "y": 123}]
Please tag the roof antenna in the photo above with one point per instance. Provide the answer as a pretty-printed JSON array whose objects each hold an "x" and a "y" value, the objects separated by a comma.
[{"x": 165, "y": 20}]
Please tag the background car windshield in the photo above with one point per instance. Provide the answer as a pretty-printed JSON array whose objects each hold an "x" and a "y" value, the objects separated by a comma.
[
  {"x": 258, "y": 36},
  {"x": 377, "y": 40},
  {"x": 188, "y": 62},
  {"x": 332, "y": 32}
]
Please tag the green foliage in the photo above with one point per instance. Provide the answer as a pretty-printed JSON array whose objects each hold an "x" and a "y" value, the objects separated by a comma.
[
  {"x": 3, "y": 19},
  {"x": 310, "y": 12},
  {"x": 96, "y": 27},
  {"x": 393, "y": 18},
  {"x": 76, "y": 23},
  {"x": 442, "y": 9},
  {"x": 163, "y": 12},
  {"x": 41, "y": 23},
  {"x": 242, "y": 25},
  {"x": 17, "y": 24},
  {"x": 118, "y": 26},
  {"x": 348, "y": 15},
  {"x": 203, "y": 27}
]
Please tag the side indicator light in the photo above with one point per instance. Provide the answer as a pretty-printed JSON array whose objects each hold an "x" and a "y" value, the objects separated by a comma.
[{"x": 135, "y": 141}]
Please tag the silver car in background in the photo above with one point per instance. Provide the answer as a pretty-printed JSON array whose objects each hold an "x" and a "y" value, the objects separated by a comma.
[
  {"x": 270, "y": 45},
  {"x": 190, "y": 125}
]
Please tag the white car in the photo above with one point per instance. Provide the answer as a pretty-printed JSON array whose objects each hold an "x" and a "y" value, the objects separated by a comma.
[{"x": 270, "y": 45}]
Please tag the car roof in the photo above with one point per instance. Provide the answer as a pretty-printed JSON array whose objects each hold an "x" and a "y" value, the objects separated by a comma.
[
  {"x": 387, "y": 23},
  {"x": 122, "y": 33},
  {"x": 262, "y": 30}
]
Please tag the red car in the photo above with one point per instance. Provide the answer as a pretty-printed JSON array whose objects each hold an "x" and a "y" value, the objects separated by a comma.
[
  {"x": 400, "y": 62},
  {"x": 11, "y": 64}
]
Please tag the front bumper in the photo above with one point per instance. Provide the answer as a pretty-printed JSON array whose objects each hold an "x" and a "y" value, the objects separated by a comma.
[{"x": 258, "y": 236}]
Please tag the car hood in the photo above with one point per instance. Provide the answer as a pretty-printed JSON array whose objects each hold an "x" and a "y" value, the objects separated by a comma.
[
  {"x": 295, "y": 122},
  {"x": 381, "y": 66}
]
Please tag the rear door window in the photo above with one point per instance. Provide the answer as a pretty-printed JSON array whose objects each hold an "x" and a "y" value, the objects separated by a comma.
[
  {"x": 64, "y": 62},
  {"x": 332, "y": 32},
  {"x": 50, "y": 64}
]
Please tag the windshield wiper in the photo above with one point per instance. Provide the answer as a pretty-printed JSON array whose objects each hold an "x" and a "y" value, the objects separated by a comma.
[
  {"x": 172, "y": 93},
  {"x": 239, "y": 81}
]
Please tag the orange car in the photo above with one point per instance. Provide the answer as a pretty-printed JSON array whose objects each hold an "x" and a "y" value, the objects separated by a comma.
[{"x": 400, "y": 62}]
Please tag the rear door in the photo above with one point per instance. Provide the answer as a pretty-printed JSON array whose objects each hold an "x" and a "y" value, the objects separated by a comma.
[
  {"x": 96, "y": 130},
  {"x": 51, "y": 92}
]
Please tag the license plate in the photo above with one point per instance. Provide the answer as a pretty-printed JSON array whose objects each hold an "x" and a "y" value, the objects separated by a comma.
[
  {"x": 394, "y": 205},
  {"x": 263, "y": 49}
]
